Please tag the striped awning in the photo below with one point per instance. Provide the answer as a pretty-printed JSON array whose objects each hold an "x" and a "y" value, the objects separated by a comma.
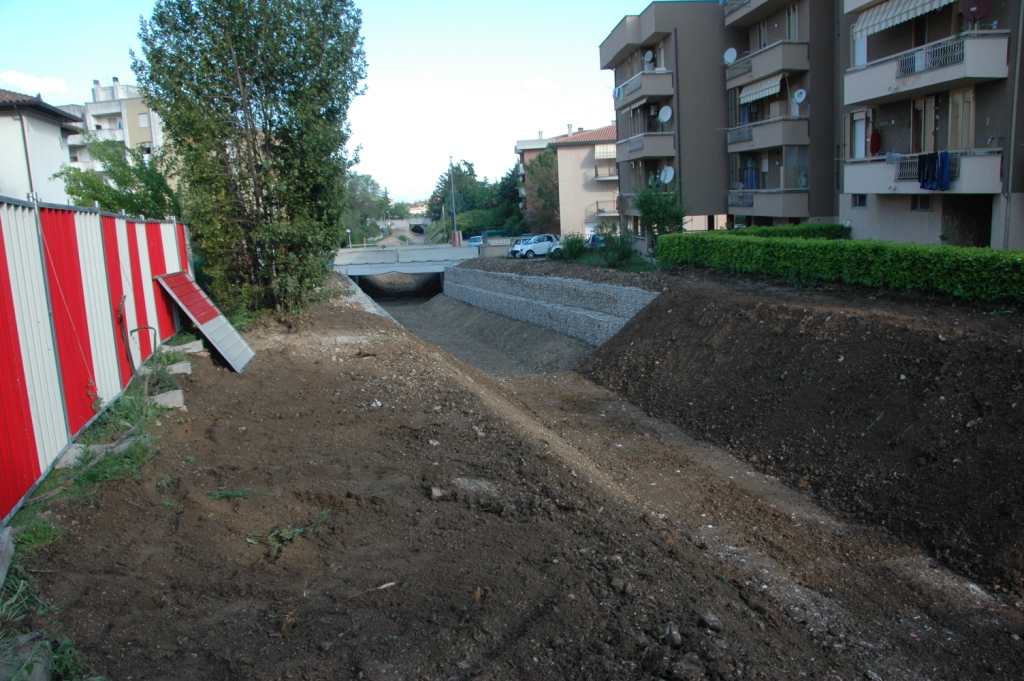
[
  {"x": 761, "y": 89},
  {"x": 891, "y": 13},
  {"x": 604, "y": 152}
]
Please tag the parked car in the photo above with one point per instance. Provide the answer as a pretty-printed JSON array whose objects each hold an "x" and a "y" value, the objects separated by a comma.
[
  {"x": 536, "y": 245},
  {"x": 518, "y": 241},
  {"x": 475, "y": 241},
  {"x": 595, "y": 241}
]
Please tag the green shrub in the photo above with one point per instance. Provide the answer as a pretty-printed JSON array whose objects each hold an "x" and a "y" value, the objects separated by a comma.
[
  {"x": 825, "y": 230},
  {"x": 573, "y": 247},
  {"x": 617, "y": 249},
  {"x": 970, "y": 273}
]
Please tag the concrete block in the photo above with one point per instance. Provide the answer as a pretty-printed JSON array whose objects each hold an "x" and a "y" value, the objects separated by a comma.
[
  {"x": 193, "y": 347},
  {"x": 75, "y": 452},
  {"x": 180, "y": 368},
  {"x": 172, "y": 399},
  {"x": 6, "y": 553},
  {"x": 26, "y": 658}
]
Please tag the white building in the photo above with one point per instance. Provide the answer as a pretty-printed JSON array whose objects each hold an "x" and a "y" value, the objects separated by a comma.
[{"x": 33, "y": 146}]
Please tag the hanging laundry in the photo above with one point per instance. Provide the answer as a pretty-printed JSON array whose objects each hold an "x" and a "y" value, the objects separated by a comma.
[{"x": 943, "y": 171}]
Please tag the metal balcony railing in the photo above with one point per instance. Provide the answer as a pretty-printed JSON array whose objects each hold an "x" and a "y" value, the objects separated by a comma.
[
  {"x": 744, "y": 133},
  {"x": 907, "y": 166},
  {"x": 739, "y": 68},
  {"x": 741, "y": 199},
  {"x": 603, "y": 172},
  {"x": 933, "y": 56},
  {"x": 607, "y": 207}
]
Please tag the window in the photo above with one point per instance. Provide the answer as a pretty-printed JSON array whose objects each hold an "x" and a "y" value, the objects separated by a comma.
[
  {"x": 961, "y": 119},
  {"x": 143, "y": 120},
  {"x": 762, "y": 34},
  {"x": 858, "y": 200},
  {"x": 920, "y": 202},
  {"x": 922, "y": 126},
  {"x": 857, "y": 131},
  {"x": 792, "y": 22}
]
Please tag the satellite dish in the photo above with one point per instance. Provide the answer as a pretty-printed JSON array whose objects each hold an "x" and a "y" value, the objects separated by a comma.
[
  {"x": 730, "y": 56},
  {"x": 665, "y": 114},
  {"x": 800, "y": 96},
  {"x": 667, "y": 174},
  {"x": 975, "y": 9},
  {"x": 648, "y": 57}
]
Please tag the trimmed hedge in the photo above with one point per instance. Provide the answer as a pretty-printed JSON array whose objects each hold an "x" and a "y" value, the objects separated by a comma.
[
  {"x": 970, "y": 273},
  {"x": 823, "y": 230}
]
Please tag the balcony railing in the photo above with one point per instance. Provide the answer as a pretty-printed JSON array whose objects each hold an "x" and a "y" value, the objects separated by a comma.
[
  {"x": 739, "y": 67},
  {"x": 606, "y": 172},
  {"x": 741, "y": 199},
  {"x": 773, "y": 132},
  {"x": 934, "y": 56},
  {"x": 744, "y": 133},
  {"x": 907, "y": 166},
  {"x": 607, "y": 207}
]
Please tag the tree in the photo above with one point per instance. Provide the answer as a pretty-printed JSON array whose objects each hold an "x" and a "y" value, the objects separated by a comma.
[
  {"x": 366, "y": 203},
  {"x": 470, "y": 192},
  {"x": 661, "y": 211},
  {"x": 542, "y": 192},
  {"x": 254, "y": 95},
  {"x": 131, "y": 182}
]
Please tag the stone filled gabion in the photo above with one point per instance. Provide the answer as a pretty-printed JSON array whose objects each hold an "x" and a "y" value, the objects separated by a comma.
[{"x": 589, "y": 312}]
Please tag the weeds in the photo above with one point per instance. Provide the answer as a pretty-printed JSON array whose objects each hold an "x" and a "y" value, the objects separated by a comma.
[
  {"x": 278, "y": 538},
  {"x": 228, "y": 493}
]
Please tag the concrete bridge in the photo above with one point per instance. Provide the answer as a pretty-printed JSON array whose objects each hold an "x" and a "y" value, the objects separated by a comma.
[{"x": 371, "y": 260}]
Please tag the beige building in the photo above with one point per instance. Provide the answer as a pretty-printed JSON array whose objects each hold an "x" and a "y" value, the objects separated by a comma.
[
  {"x": 671, "y": 109},
  {"x": 117, "y": 112},
  {"x": 930, "y": 121},
  {"x": 588, "y": 180},
  {"x": 781, "y": 85}
]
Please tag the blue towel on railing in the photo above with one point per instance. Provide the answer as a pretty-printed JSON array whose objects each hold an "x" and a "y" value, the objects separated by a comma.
[
  {"x": 927, "y": 170},
  {"x": 943, "y": 171}
]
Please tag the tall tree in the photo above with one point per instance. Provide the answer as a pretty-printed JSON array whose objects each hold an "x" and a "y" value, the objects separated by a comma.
[
  {"x": 542, "y": 192},
  {"x": 366, "y": 203},
  {"x": 254, "y": 95},
  {"x": 131, "y": 182},
  {"x": 661, "y": 211},
  {"x": 471, "y": 193}
]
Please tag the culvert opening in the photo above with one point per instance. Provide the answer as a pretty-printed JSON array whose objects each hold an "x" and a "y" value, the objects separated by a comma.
[{"x": 404, "y": 287}]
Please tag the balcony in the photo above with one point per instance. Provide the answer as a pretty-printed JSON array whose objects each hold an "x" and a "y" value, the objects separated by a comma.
[
  {"x": 648, "y": 145},
  {"x": 851, "y": 6},
  {"x": 780, "y": 57},
  {"x": 975, "y": 171},
  {"x": 775, "y": 132},
  {"x": 955, "y": 62},
  {"x": 606, "y": 209},
  {"x": 635, "y": 31},
  {"x": 606, "y": 173},
  {"x": 749, "y": 12},
  {"x": 647, "y": 84},
  {"x": 114, "y": 134},
  {"x": 773, "y": 203}
]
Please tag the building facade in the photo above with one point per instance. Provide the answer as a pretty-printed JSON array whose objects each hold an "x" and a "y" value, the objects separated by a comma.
[
  {"x": 117, "y": 112},
  {"x": 930, "y": 120},
  {"x": 780, "y": 83},
  {"x": 671, "y": 109},
  {"x": 588, "y": 180},
  {"x": 33, "y": 146}
]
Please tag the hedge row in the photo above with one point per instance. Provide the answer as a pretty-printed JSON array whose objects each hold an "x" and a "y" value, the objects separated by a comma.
[
  {"x": 971, "y": 273},
  {"x": 810, "y": 230}
]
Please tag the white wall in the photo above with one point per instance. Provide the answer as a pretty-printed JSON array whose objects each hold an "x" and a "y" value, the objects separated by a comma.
[{"x": 48, "y": 152}]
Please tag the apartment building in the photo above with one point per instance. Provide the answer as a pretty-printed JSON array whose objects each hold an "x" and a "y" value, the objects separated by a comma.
[
  {"x": 930, "y": 121},
  {"x": 33, "y": 146},
  {"x": 527, "y": 150},
  {"x": 671, "y": 109},
  {"x": 117, "y": 112},
  {"x": 781, "y": 83},
  {"x": 588, "y": 180}
]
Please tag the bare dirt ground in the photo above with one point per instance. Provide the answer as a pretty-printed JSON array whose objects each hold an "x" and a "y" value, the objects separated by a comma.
[{"x": 408, "y": 516}]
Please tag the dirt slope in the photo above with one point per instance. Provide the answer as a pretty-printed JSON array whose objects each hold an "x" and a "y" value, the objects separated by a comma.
[{"x": 456, "y": 526}]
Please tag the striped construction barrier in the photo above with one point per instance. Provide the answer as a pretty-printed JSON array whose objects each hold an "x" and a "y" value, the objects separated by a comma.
[{"x": 80, "y": 308}]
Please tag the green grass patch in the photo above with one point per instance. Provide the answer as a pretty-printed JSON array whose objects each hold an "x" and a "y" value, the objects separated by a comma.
[
  {"x": 278, "y": 538},
  {"x": 222, "y": 493}
]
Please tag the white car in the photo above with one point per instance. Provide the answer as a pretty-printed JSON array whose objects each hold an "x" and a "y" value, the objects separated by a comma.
[{"x": 540, "y": 244}]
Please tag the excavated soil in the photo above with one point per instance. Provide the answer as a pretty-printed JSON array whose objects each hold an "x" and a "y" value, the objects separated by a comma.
[{"x": 408, "y": 516}]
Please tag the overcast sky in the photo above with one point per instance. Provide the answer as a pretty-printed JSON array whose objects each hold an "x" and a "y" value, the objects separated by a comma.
[{"x": 456, "y": 78}]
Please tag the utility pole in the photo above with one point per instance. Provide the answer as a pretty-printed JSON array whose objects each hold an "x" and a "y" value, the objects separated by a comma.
[{"x": 451, "y": 176}]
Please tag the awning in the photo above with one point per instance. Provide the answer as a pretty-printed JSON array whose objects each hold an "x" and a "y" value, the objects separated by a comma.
[
  {"x": 604, "y": 152},
  {"x": 205, "y": 315},
  {"x": 891, "y": 13},
  {"x": 761, "y": 89}
]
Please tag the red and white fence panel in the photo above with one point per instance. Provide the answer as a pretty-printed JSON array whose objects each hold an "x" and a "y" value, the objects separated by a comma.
[{"x": 64, "y": 273}]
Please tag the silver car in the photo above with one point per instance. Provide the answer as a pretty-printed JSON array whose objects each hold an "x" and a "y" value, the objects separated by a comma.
[{"x": 539, "y": 244}]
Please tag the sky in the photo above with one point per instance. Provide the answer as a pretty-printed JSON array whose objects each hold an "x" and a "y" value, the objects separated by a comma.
[{"x": 444, "y": 79}]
